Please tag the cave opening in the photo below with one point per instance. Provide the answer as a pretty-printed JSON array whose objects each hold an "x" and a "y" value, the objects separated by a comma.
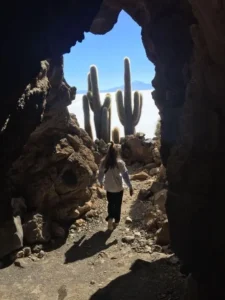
[{"x": 107, "y": 52}]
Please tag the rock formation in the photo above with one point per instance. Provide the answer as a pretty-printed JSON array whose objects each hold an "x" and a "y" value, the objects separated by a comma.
[
  {"x": 57, "y": 166},
  {"x": 135, "y": 148},
  {"x": 185, "y": 41}
]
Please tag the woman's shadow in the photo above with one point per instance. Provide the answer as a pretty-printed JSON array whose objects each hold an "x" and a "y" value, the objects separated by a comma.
[{"x": 83, "y": 248}]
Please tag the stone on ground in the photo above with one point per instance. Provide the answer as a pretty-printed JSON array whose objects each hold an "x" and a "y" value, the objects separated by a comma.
[
  {"x": 140, "y": 176},
  {"x": 128, "y": 220},
  {"x": 26, "y": 251}
]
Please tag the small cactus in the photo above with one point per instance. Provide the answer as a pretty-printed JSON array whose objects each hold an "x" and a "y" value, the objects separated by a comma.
[
  {"x": 87, "y": 122},
  {"x": 116, "y": 135},
  {"x": 129, "y": 117}
]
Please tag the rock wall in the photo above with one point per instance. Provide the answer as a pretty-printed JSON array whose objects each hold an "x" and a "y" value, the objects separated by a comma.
[
  {"x": 20, "y": 123},
  {"x": 57, "y": 165},
  {"x": 25, "y": 42},
  {"x": 54, "y": 173},
  {"x": 196, "y": 165}
]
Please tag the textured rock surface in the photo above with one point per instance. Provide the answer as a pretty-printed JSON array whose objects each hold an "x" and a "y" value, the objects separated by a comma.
[
  {"x": 36, "y": 229},
  {"x": 57, "y": 166},
  {"x": 20, "y": 123},
  {"x": 134, "y": 149}
]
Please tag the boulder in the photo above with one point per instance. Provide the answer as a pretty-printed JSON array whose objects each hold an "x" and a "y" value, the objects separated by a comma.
[
  {"x": 36, "y": 229},
  {"x": 140, "y": 176},
  {"x": 162, "y": 235},
  {"x": 133, "y": 150},
  {"x": 11, "y": 236}
]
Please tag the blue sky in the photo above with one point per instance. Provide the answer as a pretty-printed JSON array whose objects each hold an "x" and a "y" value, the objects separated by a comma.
[{"x": 107, "y": 53}]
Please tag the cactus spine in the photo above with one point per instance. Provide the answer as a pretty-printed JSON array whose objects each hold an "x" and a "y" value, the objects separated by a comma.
[
  {"x": 87, "y": 122},
  {"x": 129, "y": 117},
  {"x": 116, "y": 135},
  {"x": 102, "y": 113}
]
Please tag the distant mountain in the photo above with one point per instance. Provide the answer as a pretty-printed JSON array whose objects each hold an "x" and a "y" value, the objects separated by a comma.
[{"x": 136, "y": 86}]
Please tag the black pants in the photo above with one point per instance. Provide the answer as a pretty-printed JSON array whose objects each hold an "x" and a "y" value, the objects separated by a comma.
[{"x": 114, "y": 205}]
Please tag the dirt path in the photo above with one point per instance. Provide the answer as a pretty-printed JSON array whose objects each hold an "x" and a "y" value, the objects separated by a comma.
[{"x": 94, "y": 265}]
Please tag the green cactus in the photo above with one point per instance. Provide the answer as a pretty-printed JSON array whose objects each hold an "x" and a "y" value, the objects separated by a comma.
[
  {"x": 116, "y": 135},
  {"x": 129, "y": 117},
  {"x": 102, "y": 113},
  {"x": 87, "y": 123}
]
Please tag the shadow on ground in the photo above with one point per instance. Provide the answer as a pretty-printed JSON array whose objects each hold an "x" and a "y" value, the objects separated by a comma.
[
  {"x": 146, "y": 281},
  {"x": 85, "y": 248}
]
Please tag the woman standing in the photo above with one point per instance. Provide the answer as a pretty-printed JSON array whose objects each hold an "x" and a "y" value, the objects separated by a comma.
[{"x": 113, "y": 169}]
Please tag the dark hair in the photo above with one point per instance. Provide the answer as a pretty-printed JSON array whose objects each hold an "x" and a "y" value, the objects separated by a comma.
[{"x": 110, "y": 160}]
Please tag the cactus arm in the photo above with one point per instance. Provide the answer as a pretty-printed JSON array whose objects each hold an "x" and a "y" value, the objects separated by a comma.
[
  {"x": 96, "y": 101},
  {"x": 129, "y": 129},
  {"x": 87, "y": 123},
  {"x": 105, "y": 124},
  {"x": 138, "y": 101},
  {"x": 89, "y": 82},
  {"x": 95, "y": 89},
  {"x": 107, "y": 101},
  {"x": 90, "y": 99},
  {"x": 120, "y": 106}
]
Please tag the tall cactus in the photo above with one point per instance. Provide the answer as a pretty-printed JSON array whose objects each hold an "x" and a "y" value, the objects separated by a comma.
[
  {"x": 87, "y": 122},
  {"x": 102, "y": 113},
  {"x": 129, "y": 117}
]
